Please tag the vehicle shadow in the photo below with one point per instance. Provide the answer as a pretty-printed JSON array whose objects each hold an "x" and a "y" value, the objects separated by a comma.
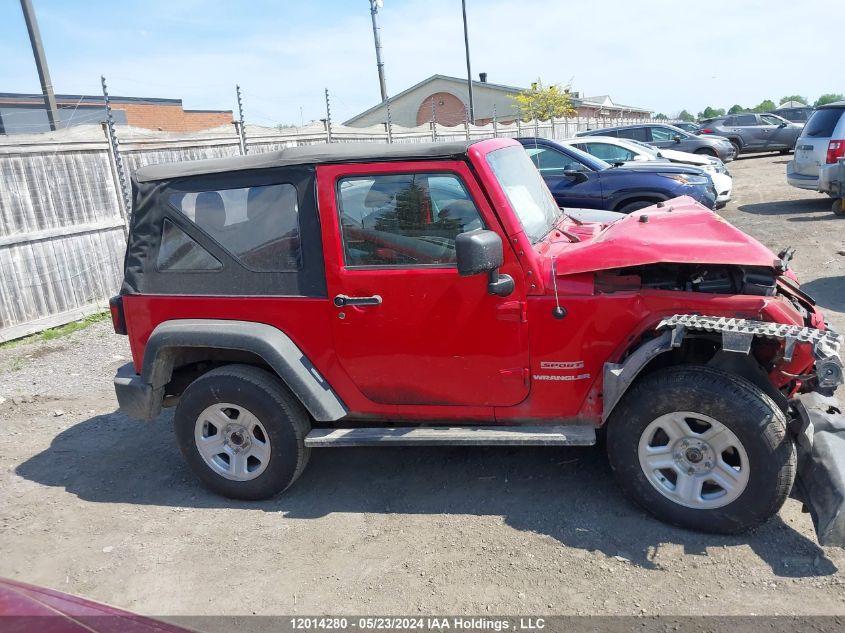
[
  {"x": 565, "y": 493},
  {"x": 829, "y": 292},
  {"x": 789, "y": 207}
]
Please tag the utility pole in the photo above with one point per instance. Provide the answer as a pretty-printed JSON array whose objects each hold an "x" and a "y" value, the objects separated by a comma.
[
  {"x": 375, "y": 5},
  {"x": 240, "y": 121},
  {"x": 469, "y": 69},
  {"x": 328, "y": 119},
  {"x": 41, "y": 63}
]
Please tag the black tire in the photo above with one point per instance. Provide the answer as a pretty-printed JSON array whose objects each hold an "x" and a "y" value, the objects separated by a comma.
[
  {"x": 838, "y": 207},
  {"x": 784, "y": 152},
  {"x": 282, "y": 416},
  {"x": 706, "y": 151},
  {"x": 737, "y": 147},
  {"x": 754, "y": 419},
  {"x": 635, "y": 206}
]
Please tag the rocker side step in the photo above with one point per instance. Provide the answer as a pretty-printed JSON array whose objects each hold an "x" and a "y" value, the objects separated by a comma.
[{"x": 455, "y": 436}]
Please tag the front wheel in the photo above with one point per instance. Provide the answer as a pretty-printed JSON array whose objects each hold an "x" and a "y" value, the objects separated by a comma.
[
  {"x": 705, "y": 151},
  {"x": 737, "y": 148},
  {"x": 702, "y": 449},
  {"x": 634, "y": 206},
  {"x": 839, "y": 207},
  {"x": 242, "y": 432}
]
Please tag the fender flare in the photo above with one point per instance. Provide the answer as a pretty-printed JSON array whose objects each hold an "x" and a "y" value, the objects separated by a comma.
[
  {"x": 618, "y": 377},
  {"x": 268, "y": 342},
  {"x": 651, "y": 194}
]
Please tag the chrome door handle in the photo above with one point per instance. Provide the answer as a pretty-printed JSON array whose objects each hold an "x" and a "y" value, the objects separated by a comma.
[{"x": 341, "y": 301}]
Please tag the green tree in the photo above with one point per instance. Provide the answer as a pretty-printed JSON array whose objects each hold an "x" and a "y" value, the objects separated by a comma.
[
  {"x": 736, "y": 108},
  {"x": 766, "y": 105},
  {"x": 683, "y": 115},
  {"x": 660, "y": 115},
  {"x": 710, "y": 112},
  {"x": 544, "y": 102},
  {"x": 830, "y": 97},
  {"x": 797, "y": 98}
]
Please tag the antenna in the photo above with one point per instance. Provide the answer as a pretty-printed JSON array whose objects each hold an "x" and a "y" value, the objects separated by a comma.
[{"x": 557, "y": 312}]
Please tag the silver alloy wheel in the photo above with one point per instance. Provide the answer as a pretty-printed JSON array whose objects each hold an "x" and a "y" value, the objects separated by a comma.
[
  {"x": 232, "y": 441},
  {"x": 694, "y": 460}
]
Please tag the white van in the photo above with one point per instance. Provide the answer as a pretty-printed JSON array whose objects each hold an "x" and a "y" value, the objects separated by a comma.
[{"x": 822, "y": 142}]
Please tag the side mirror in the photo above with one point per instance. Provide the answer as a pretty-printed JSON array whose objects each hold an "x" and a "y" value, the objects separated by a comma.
[
  {"x": 481, "y": 251},
  {"x": 575, "y": 174},
  {"x": 640, "y": 157},
  {"x": 677, "y": 138},
  {"x": 782, "y": 124}
]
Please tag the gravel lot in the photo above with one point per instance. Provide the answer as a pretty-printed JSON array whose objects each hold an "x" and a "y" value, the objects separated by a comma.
[{"x": 95, "y": 504}]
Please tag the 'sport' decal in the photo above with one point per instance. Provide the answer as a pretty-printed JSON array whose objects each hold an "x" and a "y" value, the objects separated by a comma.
[{"x": 554, "y": 364}]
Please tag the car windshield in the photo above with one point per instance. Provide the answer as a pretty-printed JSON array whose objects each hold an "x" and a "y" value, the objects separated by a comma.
[
  {"x": 650, "y": 149},
  {"x": 527, "y": 193}
]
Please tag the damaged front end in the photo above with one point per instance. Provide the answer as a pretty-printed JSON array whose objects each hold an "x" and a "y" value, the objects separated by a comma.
[{"x": 817, "y": 423}]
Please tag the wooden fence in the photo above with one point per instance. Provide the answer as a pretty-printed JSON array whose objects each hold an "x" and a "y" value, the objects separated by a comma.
[{"x": 63, "y": 222}]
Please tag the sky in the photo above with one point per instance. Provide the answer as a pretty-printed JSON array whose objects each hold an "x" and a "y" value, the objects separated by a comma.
[{"x": 656, "y": 54}]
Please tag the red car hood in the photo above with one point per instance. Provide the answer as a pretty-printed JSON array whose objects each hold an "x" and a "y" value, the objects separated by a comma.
[
  {"x": 27, "y": 609},
  {"x": 682, "y": 231}
]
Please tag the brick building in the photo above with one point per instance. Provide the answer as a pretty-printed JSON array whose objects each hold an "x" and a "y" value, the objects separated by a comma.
[
  {"x": 26, "y": 114},
  {"x": 446, "y": 97}
]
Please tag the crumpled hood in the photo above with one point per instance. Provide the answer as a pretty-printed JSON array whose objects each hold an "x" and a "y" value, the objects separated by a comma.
[{"x": 689, "y": 233}]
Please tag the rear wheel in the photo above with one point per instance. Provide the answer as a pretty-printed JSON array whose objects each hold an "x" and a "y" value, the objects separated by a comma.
[
  {"x": 702, "y": 449},
  {"x": 839, "y": 207},
  {"x": 635, "y": 206},
  {"x": 242, "y": 432}
]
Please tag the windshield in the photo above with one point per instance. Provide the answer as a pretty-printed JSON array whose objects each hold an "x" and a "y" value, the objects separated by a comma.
[
  {"x": 527, "y": 193},
  {"x": 650, "y": 149}
]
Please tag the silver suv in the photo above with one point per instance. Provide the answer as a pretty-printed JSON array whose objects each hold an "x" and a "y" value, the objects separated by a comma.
[
  {"x": 751, "y": 132},
  {"x": 820, "y": 146}
]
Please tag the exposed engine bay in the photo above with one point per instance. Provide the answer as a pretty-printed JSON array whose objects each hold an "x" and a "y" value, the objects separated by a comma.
[{"x": 715, "y": 279}]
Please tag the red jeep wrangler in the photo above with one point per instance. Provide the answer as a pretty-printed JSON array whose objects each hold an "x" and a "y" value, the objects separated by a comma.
[{"x": 428, "y": 294}]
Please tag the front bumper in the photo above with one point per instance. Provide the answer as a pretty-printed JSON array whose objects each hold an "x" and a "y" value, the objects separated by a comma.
[
  {"x": 820, "y": 483},
  {"x": 136, "y": 398}
]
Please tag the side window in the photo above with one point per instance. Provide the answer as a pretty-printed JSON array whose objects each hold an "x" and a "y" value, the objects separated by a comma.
[
  {"x": 663, "y": 134},
  {"x": 552, "y": 163},
  {"x": 770, "y": 120},
  {"x": 404, "y": 220},
  {"x": 636, "y": 133},
  {"x": 610, "y": 153},
  {"x": 258, "y": 225},
  {"x": 745, "y": 120},
  {"x": 179, "y": 252}
]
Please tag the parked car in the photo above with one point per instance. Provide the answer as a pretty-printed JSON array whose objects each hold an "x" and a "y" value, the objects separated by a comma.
[
  {"x": 822, "y": 143},
  {"x": 277, "y": 325},
  {"x": 795, "y": 115},
  {"x": 686, "y": 126},
  {"x": 622, "y": 151},
  {"x": 752, "y": 132},
  {"x": 670, "y": 137},
  {"x": 577, "y": 179}
]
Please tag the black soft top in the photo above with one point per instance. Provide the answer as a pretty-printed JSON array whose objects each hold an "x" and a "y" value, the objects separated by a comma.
[{"x": 306, "y": 155}]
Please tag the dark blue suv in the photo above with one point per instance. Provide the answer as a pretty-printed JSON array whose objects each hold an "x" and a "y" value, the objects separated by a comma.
[{"x": 577, "y": 179}]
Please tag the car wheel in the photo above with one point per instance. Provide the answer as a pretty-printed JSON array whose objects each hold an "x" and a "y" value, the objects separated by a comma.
[
  {"x": 737, "y": 147},
  {"x": 839, "y": 207},
  {"x": 706, "y": 151},
  {"x": 635, "y": 206},
  {"x": 702, "y": 449},
  {"x": 242, "y": 432},
  {"x": 784, "y": 152}
]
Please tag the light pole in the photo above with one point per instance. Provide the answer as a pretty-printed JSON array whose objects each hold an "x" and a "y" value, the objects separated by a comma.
[
  {"x": 469, "y": 69},
  {"x": 41, "y": 63},
  {"x": 375, "y": 5}
]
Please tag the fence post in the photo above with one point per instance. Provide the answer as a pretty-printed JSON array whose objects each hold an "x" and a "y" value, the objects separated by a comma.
[
  {"x": 433, "y": 121},
  {"x": 552, "y": 123},
  {"x": 328, "y": 119},
  {"x": 240, "y": 126},
  {"x": 116, "y": 162},
  {"x": 519, "y": 126}
]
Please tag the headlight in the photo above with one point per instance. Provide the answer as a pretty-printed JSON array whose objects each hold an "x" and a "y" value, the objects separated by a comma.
[{"x": 687, "y": 179}]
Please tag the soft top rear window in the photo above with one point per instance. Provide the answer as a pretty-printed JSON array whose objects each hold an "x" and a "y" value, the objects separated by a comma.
[{"x": 822, "y": 123}]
